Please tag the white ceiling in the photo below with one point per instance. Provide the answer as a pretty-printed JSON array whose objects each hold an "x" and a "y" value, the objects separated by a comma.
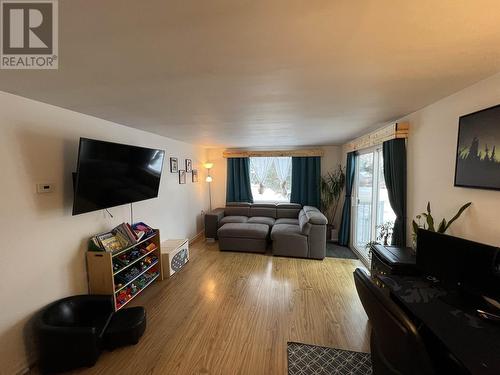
[{"x": 240, "y": 73}]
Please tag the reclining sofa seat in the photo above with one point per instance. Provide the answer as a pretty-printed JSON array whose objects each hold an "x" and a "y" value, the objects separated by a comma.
[
  {"x": 307, "y": 239},
  {"x": 294, "y": 231}
]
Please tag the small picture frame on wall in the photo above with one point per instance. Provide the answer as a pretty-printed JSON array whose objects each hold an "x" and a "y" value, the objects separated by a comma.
[
  {"x": 182, "y": 177},
  {"x": 189, "y": 166},
  {"x": 174, "y": 165},
  {"x": 194, "y": 175}
]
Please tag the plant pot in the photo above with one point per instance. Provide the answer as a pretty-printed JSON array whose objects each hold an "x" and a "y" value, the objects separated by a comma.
[
  {"x": 334, "y": 235},
  {"x": 329, "y": 229}
]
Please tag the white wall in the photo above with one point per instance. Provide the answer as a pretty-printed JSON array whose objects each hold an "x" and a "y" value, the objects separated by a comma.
[
  {"x": 43, "y": 246},
  {"x": 331, "y": 159},
  {"x": 431, "y": 164}
]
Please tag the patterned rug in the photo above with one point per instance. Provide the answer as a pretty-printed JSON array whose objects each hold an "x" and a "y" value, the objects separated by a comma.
[{"x": 317, "y": 360}]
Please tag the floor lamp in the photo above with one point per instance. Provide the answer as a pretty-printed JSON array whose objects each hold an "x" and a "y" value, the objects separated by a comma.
[{"x": 209, "y": 179}]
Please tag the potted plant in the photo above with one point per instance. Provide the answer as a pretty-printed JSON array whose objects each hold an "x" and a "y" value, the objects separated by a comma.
[
  {"x": 426, "y": 221},
  {"x": 332, "y": 185},
  {"x": 385, "y": 231}
]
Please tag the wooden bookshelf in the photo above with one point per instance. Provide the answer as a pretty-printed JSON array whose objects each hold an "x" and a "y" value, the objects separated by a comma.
[{"x": 103, "y": 278}]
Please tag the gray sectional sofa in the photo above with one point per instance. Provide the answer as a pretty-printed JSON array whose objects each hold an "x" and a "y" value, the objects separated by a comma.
[{"x": 293, "y": 230}]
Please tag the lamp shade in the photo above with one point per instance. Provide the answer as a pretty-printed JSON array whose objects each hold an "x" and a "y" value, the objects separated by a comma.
[
  {"x": 209, "y": 179},
  {"x": 208, "y": 165}
]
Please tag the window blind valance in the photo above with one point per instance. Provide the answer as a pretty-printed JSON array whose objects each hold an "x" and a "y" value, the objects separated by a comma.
[{"x": 274, "y": 153}]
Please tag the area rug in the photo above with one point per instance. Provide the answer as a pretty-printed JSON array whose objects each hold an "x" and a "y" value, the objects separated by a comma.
[
  {"x": 335, "y": 251},
  {"x": 306, "y": 359}
]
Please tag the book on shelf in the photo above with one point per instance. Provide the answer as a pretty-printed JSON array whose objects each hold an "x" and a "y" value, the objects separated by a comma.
[
  {"x": 124, "y": 231},
  {"x": 142, "y": 229},
  {"x": 120, "y": 237},
  {"x": 110, "y": 242}
]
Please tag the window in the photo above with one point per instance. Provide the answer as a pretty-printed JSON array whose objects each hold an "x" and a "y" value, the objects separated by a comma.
[
  {"x": 271, "y": 179},
  {"x": 371, "y": 201}
]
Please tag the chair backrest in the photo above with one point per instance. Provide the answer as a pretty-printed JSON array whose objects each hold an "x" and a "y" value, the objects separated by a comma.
[
  {"x": 396, "y": 345},
  {"x": 62, "y": 314},
  {"x": 78, "y": 311}
]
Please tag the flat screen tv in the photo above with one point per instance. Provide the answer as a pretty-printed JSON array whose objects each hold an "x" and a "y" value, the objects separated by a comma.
[
  {"x": 112, "y": 174},
  {"x": 457, "y": 262}
]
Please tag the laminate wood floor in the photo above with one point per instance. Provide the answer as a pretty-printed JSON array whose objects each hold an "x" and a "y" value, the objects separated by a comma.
[{"x": 233, "y": 313}]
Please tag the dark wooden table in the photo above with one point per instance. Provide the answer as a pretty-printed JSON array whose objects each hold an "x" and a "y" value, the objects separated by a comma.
[
  {"x": 392, "y": 260},
  {"x": 451, "y": 316}
]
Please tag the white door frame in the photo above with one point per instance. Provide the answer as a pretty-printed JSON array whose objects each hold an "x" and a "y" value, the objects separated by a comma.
[{"x": 376, "y": 151}]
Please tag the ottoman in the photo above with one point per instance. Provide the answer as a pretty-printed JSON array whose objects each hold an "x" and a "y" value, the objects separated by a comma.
[
  {"x": 243, "y": 237},
  {"x": 125, "y": 328}
]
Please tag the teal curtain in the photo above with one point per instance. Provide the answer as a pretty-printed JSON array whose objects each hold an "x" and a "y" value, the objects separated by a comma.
[
  {"x": 238, "y": 180},
  {"x": 306, "y": 175},
  {"x": 394, "y": 152},
  {"x": 345, "y": 224}
]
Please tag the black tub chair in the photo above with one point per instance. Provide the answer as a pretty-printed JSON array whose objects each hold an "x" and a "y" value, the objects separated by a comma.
[
  {"x": 396, "y": 344},
  {"x": 70, "y": 332}
]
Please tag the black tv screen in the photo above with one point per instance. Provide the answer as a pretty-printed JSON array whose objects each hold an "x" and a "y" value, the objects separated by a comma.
[
  {"x": 456, "y": 261},
  {"x": 112, "y": 174}
]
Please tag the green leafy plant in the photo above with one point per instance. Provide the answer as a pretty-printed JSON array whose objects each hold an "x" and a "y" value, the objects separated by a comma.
[
  {"x": 426, "y": 221},
  {"x": 332, "y": 186}
]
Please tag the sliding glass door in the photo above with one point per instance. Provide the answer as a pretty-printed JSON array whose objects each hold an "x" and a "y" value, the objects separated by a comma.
[{"x": 370, "y": 200}]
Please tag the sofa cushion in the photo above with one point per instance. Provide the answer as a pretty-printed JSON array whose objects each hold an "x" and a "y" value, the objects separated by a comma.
[
  {"x": 281, "y": 231},
  {"x": 261, "y": 220},
  {"x": 243, "y": 230},
  {"x": 304, "y": 225},
  {"x": 242, "y": 209},
  {"x": 263, "y": 209},
  {"x": 288, "y": 210},
  {"x": 232, "y": 219},
  {"x": 315, "y": 216},
  {"x": 285, "y": 220}
]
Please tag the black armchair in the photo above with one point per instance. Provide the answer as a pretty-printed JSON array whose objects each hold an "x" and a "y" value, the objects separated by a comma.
[
  {"x": 70, "y": 331},
  {"x": 396, "y": 344}
]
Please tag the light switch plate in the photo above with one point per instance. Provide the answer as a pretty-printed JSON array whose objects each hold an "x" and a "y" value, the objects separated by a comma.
[{"x": 44, "y": 188}]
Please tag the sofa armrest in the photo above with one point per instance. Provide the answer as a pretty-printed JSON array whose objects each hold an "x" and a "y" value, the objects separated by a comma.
[
  {"x": 315, "y": 216},
  {"x": 316, "y": 231},
  {"x": 212, "y": 222},
  {"x": 316, "y": 241}
]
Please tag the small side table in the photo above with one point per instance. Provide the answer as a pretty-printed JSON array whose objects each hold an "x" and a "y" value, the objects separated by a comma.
[
  {"x": 392, "y": 260},
  {"x": 175, "y": 254}
]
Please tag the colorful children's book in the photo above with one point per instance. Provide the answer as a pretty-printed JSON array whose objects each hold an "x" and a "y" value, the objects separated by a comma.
[
  {"x": 110, "y": 242},
  {"x": 144, "y": 228}
]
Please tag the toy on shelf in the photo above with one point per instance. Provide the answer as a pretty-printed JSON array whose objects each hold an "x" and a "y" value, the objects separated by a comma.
[{"x": 127, "y": 272}]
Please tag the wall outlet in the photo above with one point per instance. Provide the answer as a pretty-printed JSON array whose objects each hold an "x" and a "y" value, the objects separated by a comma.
[
  {"x": 44, "y": 188},
  {"x": 202, "y": 212}
]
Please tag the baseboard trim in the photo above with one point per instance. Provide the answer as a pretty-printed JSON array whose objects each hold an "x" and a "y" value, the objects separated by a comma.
[{"x": 196, "y": 238}]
